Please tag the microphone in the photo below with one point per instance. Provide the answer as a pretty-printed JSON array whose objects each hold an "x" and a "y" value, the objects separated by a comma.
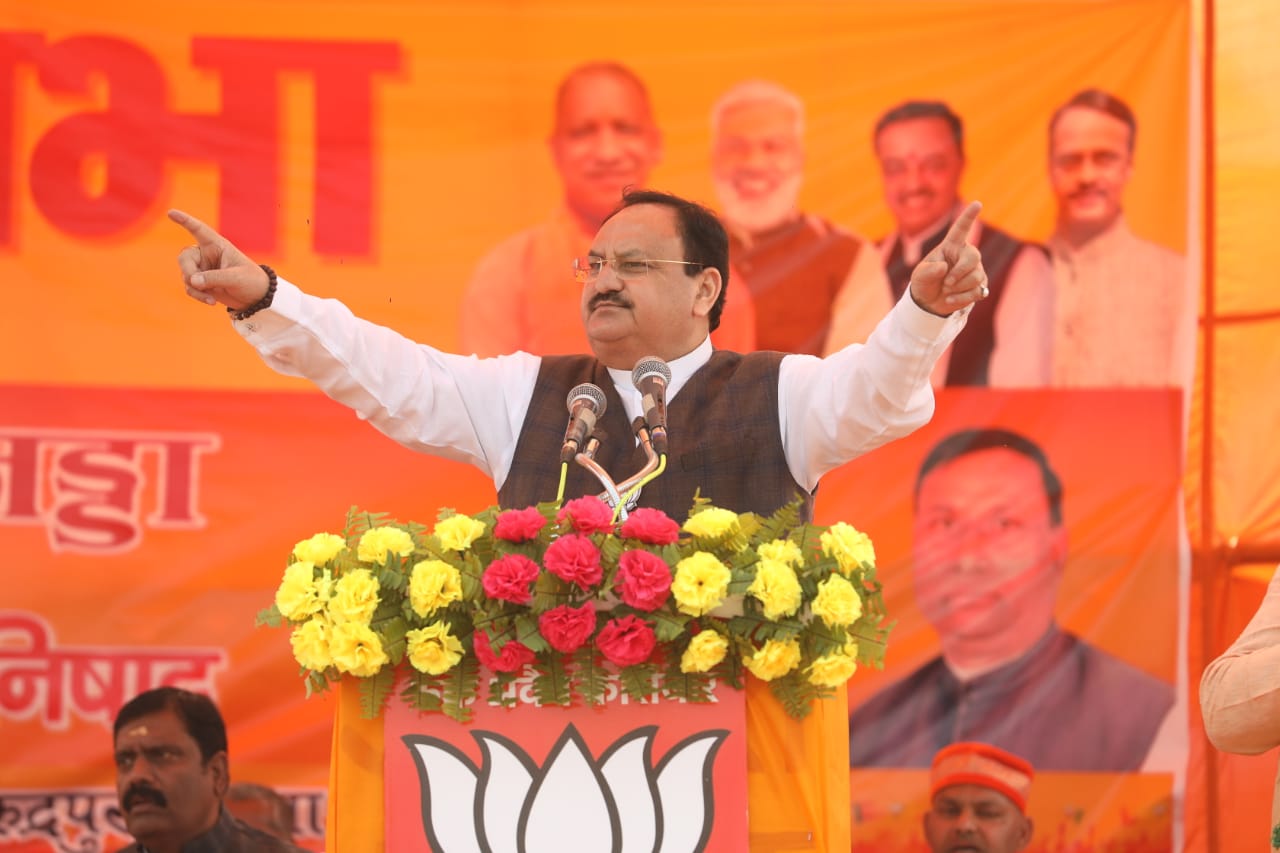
[
  {"x": 586, "y": 403},
  {"x": 651, "y": 376}
]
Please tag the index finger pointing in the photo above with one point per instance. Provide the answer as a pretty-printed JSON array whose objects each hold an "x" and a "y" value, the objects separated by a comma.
[
  {"x": 203, "y": 233},
  {"x": 958, "y": 235}
]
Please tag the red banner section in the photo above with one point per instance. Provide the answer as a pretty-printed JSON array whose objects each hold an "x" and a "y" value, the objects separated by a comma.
[{"x": 144, "y": 531}]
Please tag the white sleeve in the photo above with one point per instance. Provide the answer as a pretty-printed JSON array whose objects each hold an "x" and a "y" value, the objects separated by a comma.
[
  {"x": 1023, "y": 352},
  {"x": 836, "y": 408},
  {"x": 1240, "y": 689},
  {"x": 459, "y": 407}
]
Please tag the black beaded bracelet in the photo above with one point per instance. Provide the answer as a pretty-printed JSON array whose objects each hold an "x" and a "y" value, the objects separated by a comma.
[{"x": 264, "y": 302}]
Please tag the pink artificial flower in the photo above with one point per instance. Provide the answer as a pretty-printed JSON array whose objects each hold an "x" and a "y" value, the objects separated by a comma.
[
  {"x": 519, "y": 525},
  {"x": 512, "y": 658},
  {"x": 651, "y": 526},
  {"x": 644, "y": 580},
  {"x": 626, "y": 641},
  {"x": 567, "y": 628},
  {"x": 509, "y": 578},
  {"x": 587, "y": 515},
  {"x": 574, "y": 559}
]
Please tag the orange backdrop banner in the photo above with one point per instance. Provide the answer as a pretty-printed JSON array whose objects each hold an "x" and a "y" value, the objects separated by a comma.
[{"x": 154, "y": 474}]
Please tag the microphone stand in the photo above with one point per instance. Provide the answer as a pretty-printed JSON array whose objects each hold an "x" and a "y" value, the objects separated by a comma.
[
  {"x": 613, "y": 492},
  {"x": 586, "y": 458},
  {"x": 651, "y": 457}
]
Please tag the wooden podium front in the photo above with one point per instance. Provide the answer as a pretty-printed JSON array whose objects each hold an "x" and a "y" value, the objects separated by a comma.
[{"x": 797, "y": 776}]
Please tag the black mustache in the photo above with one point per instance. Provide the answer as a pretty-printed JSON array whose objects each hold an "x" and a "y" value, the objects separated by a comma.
[
  {"x": 608, "y": 299},
  {"x": 143, "y": 793}
]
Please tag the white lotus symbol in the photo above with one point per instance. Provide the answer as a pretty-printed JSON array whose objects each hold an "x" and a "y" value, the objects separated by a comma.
[{"x": 620, "y": 803}]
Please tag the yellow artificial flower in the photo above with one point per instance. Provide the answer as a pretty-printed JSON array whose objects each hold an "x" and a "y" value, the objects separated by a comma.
[
  {"x": 837, "y": 602},
  {"x": 700, "y": 584},
  {"x": 777, "y": 588},
  {"x": 378, "y": 542},
  {"x": 319, "y": 549},
  {"x": 712, "y": 523},
  {"x": 356, "y": 649},
  {"x": 433, "y": 584},
  {"x": 774, "y": 659},
  {"x": 355, "y": 597},
  {"x": 458, "y": 532},
  {"x": 782, "y": 550},
  {"x": 301, "y": 593},
  {"x": 850, "y": 546},
  {"x": 835, "y": 669},
  {"x": 433, "y": 649},
  {"x": 705, "y": 650},
  {"x": 310, "y": 643}
]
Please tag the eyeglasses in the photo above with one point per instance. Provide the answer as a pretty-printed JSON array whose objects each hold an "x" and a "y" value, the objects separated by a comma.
[{"x": 588, "y": 267}]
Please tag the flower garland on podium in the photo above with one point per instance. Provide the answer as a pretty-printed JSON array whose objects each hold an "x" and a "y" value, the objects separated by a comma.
[{"x": 575, "y": 597}]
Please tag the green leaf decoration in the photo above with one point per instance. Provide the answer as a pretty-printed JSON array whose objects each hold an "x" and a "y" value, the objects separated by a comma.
[
  {"x": 269, "y": 616},
  {"x": 548, "y": 592},
  {"x": 780, "y": 524},
  {"x": 527, "y": 633},
  {"x": 392, "y": 632},
  {"x": 551, "y": 684},
  {"x": 637, "y": 682},
  {"x": 393, "y": 579},
  {"x": 420, "y": 693},
  {"x": 795, "y": 693},
  {"x": 460, "y": 689},
  {"x": 315, "y": 682},
  {"x": 591, "y": 676},
  {"x": 374, "y": 692},
  {"x": 610, "y": 550},
  {"x": 667, "y": 626},
  {"x": 685, "y": 686},
  {"x": 498, "y": 689}
]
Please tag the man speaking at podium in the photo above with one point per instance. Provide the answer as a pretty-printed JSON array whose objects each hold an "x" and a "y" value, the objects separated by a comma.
[{"x": 749, "y": 430}]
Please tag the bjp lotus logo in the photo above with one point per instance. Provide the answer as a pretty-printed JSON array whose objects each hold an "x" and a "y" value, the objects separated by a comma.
[{"x": 621, "y": 802}]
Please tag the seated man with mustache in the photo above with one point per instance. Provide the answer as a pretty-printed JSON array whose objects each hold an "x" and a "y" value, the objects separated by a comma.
[{"x": 171, "y": 775}]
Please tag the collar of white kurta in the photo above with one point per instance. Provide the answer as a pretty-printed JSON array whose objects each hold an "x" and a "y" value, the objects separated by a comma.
[
  {"x": 1105, "y": 243},
  {"x": 681, "y": 369}
]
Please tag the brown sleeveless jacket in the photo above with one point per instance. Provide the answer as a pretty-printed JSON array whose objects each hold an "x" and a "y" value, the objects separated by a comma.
[
  {"x": 724, "y": 439},
  {"x": 970, "y": 362}
]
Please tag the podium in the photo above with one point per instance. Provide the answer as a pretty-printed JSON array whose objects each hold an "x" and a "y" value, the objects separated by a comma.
[
  {"x": 797, "y": 780},
  {"x": 622, "y": 629}
]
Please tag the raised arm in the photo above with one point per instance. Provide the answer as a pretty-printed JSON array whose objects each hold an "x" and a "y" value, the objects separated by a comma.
[
  {"x": 837, "y": 408},
  {"x": 467, "y": 409}
]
